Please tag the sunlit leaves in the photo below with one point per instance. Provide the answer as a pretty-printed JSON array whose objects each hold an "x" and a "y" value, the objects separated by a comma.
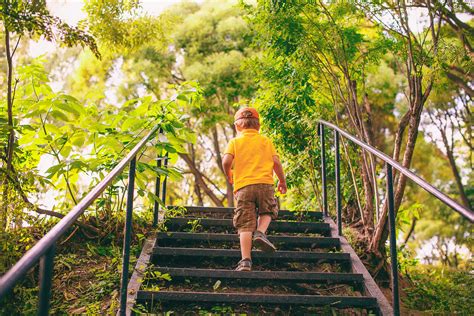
[
  {"x": 85, "y": 141},
  {"x": 30, "y": 17}
]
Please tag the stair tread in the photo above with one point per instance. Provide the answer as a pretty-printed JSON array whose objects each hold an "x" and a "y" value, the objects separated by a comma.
[
  {"x": 208, "y": 252},
  {"x": 261, "y": 275},
  {"x": 300, "y": 240},
  {"x": 287, "y": 226},
  {"x": 220, "y": 210},
  {"x": 315, "y": 300}
]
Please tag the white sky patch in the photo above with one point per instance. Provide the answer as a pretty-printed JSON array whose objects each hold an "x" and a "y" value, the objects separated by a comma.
[{"x": 70, "y": 11}]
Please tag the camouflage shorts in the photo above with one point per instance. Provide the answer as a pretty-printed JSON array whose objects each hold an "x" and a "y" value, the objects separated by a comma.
[{"x": 252, "y": 200}]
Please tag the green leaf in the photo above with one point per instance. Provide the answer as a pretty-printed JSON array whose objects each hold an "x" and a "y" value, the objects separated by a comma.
[
  {"x": 55, "y": 170},
  {"x": 131, "y": 124},
  {"x": 68, "y": 107},
  {"x": 59, "y": 115}
]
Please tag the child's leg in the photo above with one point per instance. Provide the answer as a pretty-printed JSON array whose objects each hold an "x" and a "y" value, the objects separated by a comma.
[
  {"x": 245, "y": 221},
  {"x": 246, "y": 244},
  {"x": 264, "y": 221},
  {"x": 268, "y": 210}
]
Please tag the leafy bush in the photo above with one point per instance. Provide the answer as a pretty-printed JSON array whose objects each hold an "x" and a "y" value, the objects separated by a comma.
[{"x": 440, "y": 290}]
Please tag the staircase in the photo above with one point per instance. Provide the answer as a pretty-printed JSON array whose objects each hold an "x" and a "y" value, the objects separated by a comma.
[{"x": 188, "y": 268}]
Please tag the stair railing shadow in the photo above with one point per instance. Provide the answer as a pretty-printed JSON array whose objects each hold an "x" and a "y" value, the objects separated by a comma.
[
  {"x": 44, "y": 250},
  {"x": 390, "y": 164}
]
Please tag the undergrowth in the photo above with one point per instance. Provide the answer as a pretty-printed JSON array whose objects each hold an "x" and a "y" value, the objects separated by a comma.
[
  {"x": 439, "y": 290},
  {"x": 86, "y": 277}
]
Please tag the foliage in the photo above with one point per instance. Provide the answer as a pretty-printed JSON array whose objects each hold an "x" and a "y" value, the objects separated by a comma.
[
  {"x": 85, "y": 280},
  {"x": 439, "y": 290},
  {"x": 31, "y": 17},
  {"x": 121, "y": 25},
  {"x": 207, "y": 43},
  {"x": 343, "y": 62},
  {"x": 85, "y": 142}
]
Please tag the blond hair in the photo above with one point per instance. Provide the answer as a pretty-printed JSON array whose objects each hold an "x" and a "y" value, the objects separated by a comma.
[{"x": 249, "y": 122}]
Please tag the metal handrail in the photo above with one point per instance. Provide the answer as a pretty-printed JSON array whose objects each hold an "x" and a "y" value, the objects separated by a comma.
[
  {"x": 469, "y": 214},
  {"x": 389, "y": 164},
  {"x": 43, "y": 250}
]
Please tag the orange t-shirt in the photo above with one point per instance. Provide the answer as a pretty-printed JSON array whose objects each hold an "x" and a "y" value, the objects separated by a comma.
[{"x": 253, "y": 159}]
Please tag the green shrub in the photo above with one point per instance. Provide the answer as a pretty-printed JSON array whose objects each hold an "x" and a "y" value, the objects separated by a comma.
[{"x": 440, "y": 290}]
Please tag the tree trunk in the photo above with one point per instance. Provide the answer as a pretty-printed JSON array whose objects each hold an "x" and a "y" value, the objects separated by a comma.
[
  {"x": 11, "y": 132},
  {"x": 215, "y": 141},
  {"x": 418, "y": 99},
  {"x": 198, "y": 192},
  {"x": 199, "y": 178},
  {"x": 410, "y": 232},
  {"x": 454, "y": 169}
]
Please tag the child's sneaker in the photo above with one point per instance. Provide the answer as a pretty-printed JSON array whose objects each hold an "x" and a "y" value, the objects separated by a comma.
[
  {"x": 244, "y": 265},
  {"x": 261, "y": 242}
]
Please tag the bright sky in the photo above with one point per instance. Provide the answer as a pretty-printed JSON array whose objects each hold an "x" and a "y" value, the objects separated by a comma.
[{"x": 70, "y": 11}]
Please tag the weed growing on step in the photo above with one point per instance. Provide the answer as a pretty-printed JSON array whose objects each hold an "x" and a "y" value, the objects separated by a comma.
[
  {"x": 176, "y": 211},
  {"x": 195, "y": 226}
]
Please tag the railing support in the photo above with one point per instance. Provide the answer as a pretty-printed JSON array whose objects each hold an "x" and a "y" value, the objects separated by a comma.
[
  {"x": 393, "y": 241},
  {"x": 156, "y": 206},
  {"x": 323, "y": 170},
  {"x": 163, "y": 195},
  {"x": 127, "y": 236},
  {"x": 338, "y": 183},
  {"x": 45, "y": 281}
]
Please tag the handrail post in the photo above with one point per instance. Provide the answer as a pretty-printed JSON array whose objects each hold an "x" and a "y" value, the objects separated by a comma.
[
  {"x": 45, "y": 281},
  {"x": 163, "y": 196},
  {"x": 156, "y": 206},
  {"x": 338, "y": 183},
  {"x": 127, "y": 236},
  {"x": 393, "y": 241},
  {"x": 323, "y": 170}
]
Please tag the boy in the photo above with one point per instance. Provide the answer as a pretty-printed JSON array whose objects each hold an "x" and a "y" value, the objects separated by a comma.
[{"x": 254, "y": 159}]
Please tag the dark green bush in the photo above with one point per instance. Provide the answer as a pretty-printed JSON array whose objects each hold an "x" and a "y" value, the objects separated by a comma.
[{"x": 440, "y": 290}]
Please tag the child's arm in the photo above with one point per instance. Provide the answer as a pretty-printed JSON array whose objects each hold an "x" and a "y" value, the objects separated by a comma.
[
  {"x": 278, "y": 168},
  {"x": 227, "y": 165}
]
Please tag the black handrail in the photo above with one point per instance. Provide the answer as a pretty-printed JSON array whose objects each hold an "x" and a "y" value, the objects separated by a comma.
[
  {"x": 465, "y": 212},
  {"x": 389, "y": 163},
  {"x": 43, "y": 250}
]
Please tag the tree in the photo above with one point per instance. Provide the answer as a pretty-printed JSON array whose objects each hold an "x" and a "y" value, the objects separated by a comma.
[
  {"x": 26, "y": 18},
  {"x": 205, "y": 43},
  {"x": 356, "y": 63}
]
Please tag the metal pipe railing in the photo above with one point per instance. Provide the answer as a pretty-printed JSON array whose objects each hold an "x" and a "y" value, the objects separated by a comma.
[
  {"x": 323, "y": 170},
  {"x": 43, "y": 250},
  {"x": 389, "y": 164},
  {"x": 465, "y": 212}
]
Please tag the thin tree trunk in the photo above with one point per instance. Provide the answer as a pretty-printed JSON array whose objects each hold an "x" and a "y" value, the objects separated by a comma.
[
  {"x": 11, "y": 133},
  {"x": 410, "y": 232},
  {"x": 199, "y": 178},
  {"x": 381, "y": 232},
  {"x": 198, "y": 192},
  {"x": 215, "y": 141},
  {"x": 454, "y": 169}
]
